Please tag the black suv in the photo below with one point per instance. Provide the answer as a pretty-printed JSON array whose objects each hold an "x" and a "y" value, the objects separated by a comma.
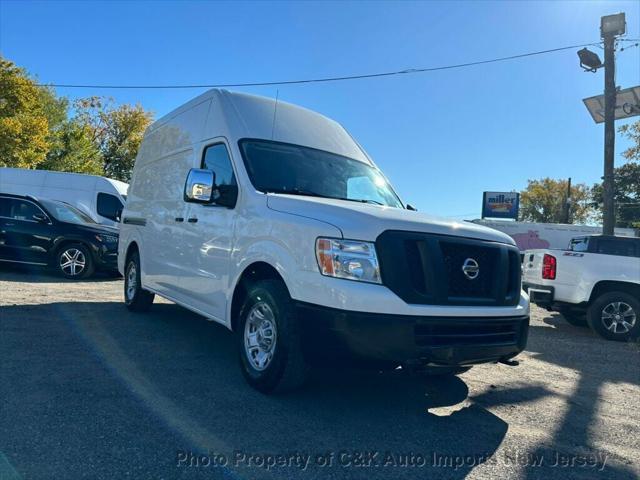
[{"x": 53, "y": 233}]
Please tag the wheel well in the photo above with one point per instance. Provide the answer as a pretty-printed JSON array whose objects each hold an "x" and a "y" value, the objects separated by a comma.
[
  {"x": 253, "y": 273},
  {"x": 133, "y": 247},
  {"x": 609, "y": 286}
]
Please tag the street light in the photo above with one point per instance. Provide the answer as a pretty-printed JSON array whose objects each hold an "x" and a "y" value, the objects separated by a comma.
[
  {"x": 611, "y": 26},
  {"x": 589, "y": 60}
]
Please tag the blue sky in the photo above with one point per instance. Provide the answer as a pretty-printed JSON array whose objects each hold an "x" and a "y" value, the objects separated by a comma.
[{"x": 442, "y": 137}]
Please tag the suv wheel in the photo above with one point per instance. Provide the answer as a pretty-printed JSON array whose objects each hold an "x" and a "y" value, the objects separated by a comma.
[
  {"x": 615, "y": 316},
  {"x": 135, "y": 297},
  {"x": 269, "y": 342},
  {"x": 74, "y": 261}
]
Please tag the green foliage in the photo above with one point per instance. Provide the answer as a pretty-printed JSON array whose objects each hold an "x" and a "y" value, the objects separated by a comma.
[
  {"x": 24, "y": 123},
  {"x": 632, "y": 132},
  {"x": 36, "y": 132},
  {"x": 74, "y": 151},
  {"x": 116, "y": 131},
  {"x": 626, "y": 181},
  {"x": 544, "y": 201}
]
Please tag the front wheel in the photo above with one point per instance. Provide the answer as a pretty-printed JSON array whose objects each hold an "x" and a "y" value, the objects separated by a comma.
[
  {"x": 135, "y": 297},
  {"x": 74, "y": 261},
  {"x": 615, "y": 316},
  {"x": 269, "y": 341}
]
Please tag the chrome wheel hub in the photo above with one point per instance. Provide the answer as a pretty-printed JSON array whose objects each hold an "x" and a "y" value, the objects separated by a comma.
[
  {"x": 72, "y": 262},
  {"x": 260, "y": 336},
  {"x": 132, "y": 281},
  {"x": 618, "y": 317}
]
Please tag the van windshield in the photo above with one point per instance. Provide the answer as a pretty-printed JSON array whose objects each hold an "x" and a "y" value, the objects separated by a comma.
[
  {"x": 64, "y": 212},
  {"x": 295, "y": 170}
]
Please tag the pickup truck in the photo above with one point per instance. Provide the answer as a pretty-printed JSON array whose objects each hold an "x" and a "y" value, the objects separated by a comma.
[{"x": 596, "y": 281}]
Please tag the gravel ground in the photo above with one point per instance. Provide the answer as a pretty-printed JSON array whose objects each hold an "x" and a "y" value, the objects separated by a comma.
[{"x": 89, "y": 390}]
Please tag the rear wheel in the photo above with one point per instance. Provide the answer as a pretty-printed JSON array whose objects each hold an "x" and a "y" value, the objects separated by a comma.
[
  {"x": 136, "y": 298},
  {"x": 74, "y": 261},
  {"x": 269, "y": 342},
  {"x": 615, "y": 316}
]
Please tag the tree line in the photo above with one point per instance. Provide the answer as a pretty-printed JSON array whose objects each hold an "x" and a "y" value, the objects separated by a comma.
[{"x": 39, "y": 129}]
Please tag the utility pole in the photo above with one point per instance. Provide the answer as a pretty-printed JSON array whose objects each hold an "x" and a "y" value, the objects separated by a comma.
[
  {"x": 567, "y": 205},
  {"x": 608, "y": 208},
  {"x": 610, "y": 27}
]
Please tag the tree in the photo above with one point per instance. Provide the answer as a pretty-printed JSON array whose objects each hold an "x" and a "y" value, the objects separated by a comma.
[
  {"x": 632, "y": 132},
  {"x": 74, "y": 151},
  {"x": 24, "y": 124},
  {"x": 544, "y": 201},
  {"x": 626, "y": 181},
  {"x": 116, "y": 131},
  {"x": 626, "y": 194}
]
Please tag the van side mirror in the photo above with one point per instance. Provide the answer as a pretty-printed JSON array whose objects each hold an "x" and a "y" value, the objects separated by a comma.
[
  {"x": 411, "y": 207},
  {"x": 199, "y": 186},
  {"x": 40, "y": 218}
]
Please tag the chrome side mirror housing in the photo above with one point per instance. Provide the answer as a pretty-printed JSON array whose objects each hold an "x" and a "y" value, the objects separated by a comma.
[{"x": 199, "y": 186}]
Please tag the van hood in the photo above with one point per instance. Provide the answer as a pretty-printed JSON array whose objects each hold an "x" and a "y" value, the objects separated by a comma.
[{"x": 365, "y": 221}]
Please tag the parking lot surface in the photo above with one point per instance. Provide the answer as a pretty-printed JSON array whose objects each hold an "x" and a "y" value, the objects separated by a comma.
[{"x": 90, "y": 390}]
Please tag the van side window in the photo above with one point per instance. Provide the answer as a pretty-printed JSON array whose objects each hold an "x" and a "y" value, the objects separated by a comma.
[
  {"x": 109, "y": 206},
  {"x": 216, "y": 158}
]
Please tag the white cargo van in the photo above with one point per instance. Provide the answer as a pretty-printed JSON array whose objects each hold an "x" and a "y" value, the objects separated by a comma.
[
  {"x": 271, "y": 220},
  {"x": 99, "y": 197}
]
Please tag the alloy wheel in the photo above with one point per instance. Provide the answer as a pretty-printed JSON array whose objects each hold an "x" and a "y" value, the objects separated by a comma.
[
  {"x": 618, "y": 317},
  {"x": 72, "y": 262}
]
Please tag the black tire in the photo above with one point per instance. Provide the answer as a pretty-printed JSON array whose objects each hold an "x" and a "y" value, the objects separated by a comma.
[
  {"x": 74, "y": 261},
  {"x": 577, "y": 319},
  {"x": 602, "y": 313},
  {"x": 277, "y": 339},
  {"x": 135, "y": 297}
]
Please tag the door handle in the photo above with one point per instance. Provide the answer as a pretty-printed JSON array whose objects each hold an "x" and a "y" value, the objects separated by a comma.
[
  {"x": 192, "y": 220},
  {"x": 179, "y": 219}
]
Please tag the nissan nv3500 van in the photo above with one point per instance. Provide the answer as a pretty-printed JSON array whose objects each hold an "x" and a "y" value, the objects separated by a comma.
[{"x": 273, "y": 221}]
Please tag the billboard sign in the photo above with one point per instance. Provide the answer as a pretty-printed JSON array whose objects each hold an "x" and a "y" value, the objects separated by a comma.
[{"x": 500, "y": 205}]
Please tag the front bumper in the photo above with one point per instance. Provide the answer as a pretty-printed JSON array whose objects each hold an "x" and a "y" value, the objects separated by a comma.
[
  {"x": 106, "y": 257},
  {"x": 333, "y": 334}
]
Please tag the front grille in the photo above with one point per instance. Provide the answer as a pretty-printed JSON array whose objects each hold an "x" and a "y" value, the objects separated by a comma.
[
  {"x": 449, "y": 334},
  {"x": 454, "y": 256},
  {"x": 428, "y": 269}
]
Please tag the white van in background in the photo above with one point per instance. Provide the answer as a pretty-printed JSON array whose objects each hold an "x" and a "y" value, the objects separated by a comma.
[
  {"x": 99, "y": 197},
  {"x": 273, "y": 221}
]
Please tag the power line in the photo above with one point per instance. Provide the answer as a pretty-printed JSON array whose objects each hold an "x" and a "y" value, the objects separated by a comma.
[{"x": 325, "y": 79}]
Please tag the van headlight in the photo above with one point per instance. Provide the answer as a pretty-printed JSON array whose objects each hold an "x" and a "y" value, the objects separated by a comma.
[{"x": 348, "y": 259}]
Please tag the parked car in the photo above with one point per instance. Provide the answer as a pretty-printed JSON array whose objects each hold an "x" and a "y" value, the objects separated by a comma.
[
  {"x": 54, "y": 234},
  {"x": 99, "y": 197},
  {"x": 595, "y": 281},
  {"x": 273, "y": 221}
]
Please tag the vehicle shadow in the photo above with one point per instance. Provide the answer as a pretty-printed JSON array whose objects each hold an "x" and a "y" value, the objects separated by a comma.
[
  {"x": 37, "y": 274},
  {"x": 598, "y": 363},
  {"x": 182, "y": 370}
]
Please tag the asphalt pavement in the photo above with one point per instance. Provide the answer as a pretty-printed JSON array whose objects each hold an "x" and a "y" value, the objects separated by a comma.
[{"x": 90, "y": 390}]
